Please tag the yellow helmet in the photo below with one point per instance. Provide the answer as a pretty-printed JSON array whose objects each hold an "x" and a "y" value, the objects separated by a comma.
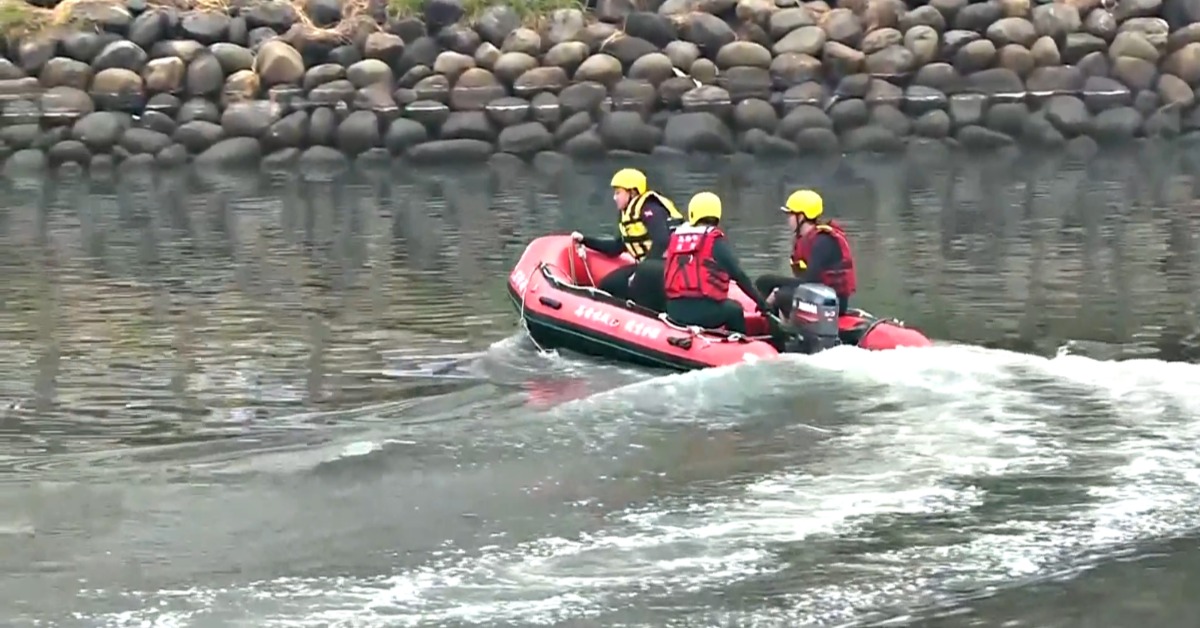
[
  {"x": 630, "y": 179},
  {"x": 704, "y": 205},
  {"x": 807, "y": 203}
]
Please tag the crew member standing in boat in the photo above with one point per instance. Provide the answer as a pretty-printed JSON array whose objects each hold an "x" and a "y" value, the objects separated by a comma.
[
  {"x": 820, "y": 254},
  {"x": 645, "y": 224},
  {"x": 699, "y": 266}
]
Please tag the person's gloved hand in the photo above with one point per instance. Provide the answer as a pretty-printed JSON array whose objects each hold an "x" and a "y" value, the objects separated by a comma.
[
  {"x": 576, "y": 236},
  {"x": 762, "y": 306}
]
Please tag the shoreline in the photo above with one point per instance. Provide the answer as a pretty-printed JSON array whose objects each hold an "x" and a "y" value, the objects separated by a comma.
[{"x": 161, "y": 86}]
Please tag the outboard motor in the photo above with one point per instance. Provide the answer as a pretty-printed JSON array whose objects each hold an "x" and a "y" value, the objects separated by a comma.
[{"x": 814, "y": 320}]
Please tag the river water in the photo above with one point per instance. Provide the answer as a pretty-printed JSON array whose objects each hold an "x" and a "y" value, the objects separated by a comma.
[{"x": 265, "y": 399}]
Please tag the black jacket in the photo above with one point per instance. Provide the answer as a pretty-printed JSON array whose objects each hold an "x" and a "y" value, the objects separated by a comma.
[
  {"x": 656, "y": 226},
  {"x": 725, "y": 258}
]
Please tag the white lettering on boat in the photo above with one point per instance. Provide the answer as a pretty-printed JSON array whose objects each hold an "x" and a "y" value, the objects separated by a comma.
[
  {"x": 805, "y": 306},
  {"x": 638, "y": 328},
  {"x": 520, "y": 279},
  {"x": 589, "y": 313}
]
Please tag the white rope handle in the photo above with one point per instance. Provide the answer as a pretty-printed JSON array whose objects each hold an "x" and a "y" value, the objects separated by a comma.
[{"x": 581, "y": 251}]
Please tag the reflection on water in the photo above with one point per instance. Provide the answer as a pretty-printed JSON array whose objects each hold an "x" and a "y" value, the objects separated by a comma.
[
  {"x": 222, "y": 399},
  {"x": 180, "y": 305},
  {"x": 207, "y": 303}
]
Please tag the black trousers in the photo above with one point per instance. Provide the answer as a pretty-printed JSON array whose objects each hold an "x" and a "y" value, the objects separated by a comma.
[
  {"x": 646, "y": 288},
  {"x": 786, "y": 285},
  {"x": 708, "y": 313}
]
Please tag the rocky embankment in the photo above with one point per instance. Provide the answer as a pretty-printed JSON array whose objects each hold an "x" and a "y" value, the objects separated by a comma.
[{"x": 101, "y": 82}]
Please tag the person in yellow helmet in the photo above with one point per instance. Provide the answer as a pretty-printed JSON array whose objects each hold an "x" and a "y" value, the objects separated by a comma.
[
  {"x": 645, "y": 223},
  {"x": 700, "y": 263},
  {"x": 820, "y": 254}
]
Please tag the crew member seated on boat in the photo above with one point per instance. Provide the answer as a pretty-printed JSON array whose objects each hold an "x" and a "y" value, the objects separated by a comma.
[
  {"x": 820, "y": 254},
  {"x": 700, "y": 263},
  {"x": 645, "y": 224}
]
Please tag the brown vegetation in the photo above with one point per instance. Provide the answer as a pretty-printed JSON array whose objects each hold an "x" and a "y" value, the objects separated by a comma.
[{"x": 19, "y": 18}]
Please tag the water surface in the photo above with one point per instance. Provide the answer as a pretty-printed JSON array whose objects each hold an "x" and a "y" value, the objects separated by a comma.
[{"x": 284, "y": 400}]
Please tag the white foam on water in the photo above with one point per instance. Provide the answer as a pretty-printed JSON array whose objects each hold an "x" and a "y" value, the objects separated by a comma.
[
  {"x": 359, "y": 448},
  {"x": 939, "y": 427},
  {"x": 1154, "y": 489}
]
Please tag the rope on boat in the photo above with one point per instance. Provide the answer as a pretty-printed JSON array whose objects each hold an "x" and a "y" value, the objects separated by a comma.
[
  {"x": 574, "y": 283},
  {"x": 525, "y": 321},
  {"x": 697, "y": 331},
  {"x": 582, "y": 253}
]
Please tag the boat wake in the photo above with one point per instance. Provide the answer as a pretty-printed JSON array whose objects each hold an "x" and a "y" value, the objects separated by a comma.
[{"x": 842, "y": 488}]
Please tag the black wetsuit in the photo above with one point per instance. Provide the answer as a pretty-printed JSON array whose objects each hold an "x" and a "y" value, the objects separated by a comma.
[
  {"x": 647, "y": 287},
  {"x": 826, "y": 255}
]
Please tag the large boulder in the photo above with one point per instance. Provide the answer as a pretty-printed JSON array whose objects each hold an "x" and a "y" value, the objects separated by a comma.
[
  {"x": 508, "y": 111},
  {"x": 449, "y": 151},
  {"x": 1069, "y": 115},
  {"x": 144, "y": 141},
  {"x": 118, "y": 89},
  {"x": 59, "y": 71},
  {"x": 65, "y": 102},
  {"x": 359, "y": 132},
  {"x": 232, "y": 57},
  {"x": 600, "y": 68},
  {"x": 287, "y": 132},
  {"x": 627, "y": 130},
  {"x": 206, "y": 27},
  {"x": 164, "y": 75},
  {"x": 204, "y": 76},
  {"x": 120, "y": 54},
  {"x": 474, "y": 89},
  {"x": 473, "y": 125},
  {"x": 231, "y": 151},
  {"x": 527, "y": 139},
  {"x": 247, "y": 119},
  {"x": 707, "y": 31},
  {"x": 743, "y": 53},
  {"x": 404, "y": 133},
  {"x": 279, "y": 63},
  {"x": 198, "y": 135},
  {"x": 99, "y": 130},
  {"x": 369, "y": 72},
  {"x": 698, "y": 132}
]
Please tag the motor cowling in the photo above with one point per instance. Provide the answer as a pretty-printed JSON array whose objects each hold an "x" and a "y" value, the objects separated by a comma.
[{"x": 814, "y": 318}]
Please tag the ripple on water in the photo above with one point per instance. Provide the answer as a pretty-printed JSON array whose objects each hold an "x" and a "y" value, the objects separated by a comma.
[{"x": 134, "y": 412}]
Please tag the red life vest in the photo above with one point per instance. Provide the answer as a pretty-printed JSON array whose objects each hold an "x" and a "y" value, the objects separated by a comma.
[
  {"x": 691, "y": 272},
  {"x": 843, "y": 280}
]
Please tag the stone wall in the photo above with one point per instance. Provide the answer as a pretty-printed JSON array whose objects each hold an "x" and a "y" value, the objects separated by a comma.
[{"x": 322, "y": 80}]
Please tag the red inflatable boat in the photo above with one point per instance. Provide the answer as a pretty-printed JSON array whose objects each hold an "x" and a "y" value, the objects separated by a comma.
[{"x": 553, "y": 289}]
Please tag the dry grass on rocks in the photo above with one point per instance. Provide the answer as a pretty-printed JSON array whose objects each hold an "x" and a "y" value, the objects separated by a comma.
[
  {"x": 532, "y": 12},
  {"x": 20, "y": 18}
]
